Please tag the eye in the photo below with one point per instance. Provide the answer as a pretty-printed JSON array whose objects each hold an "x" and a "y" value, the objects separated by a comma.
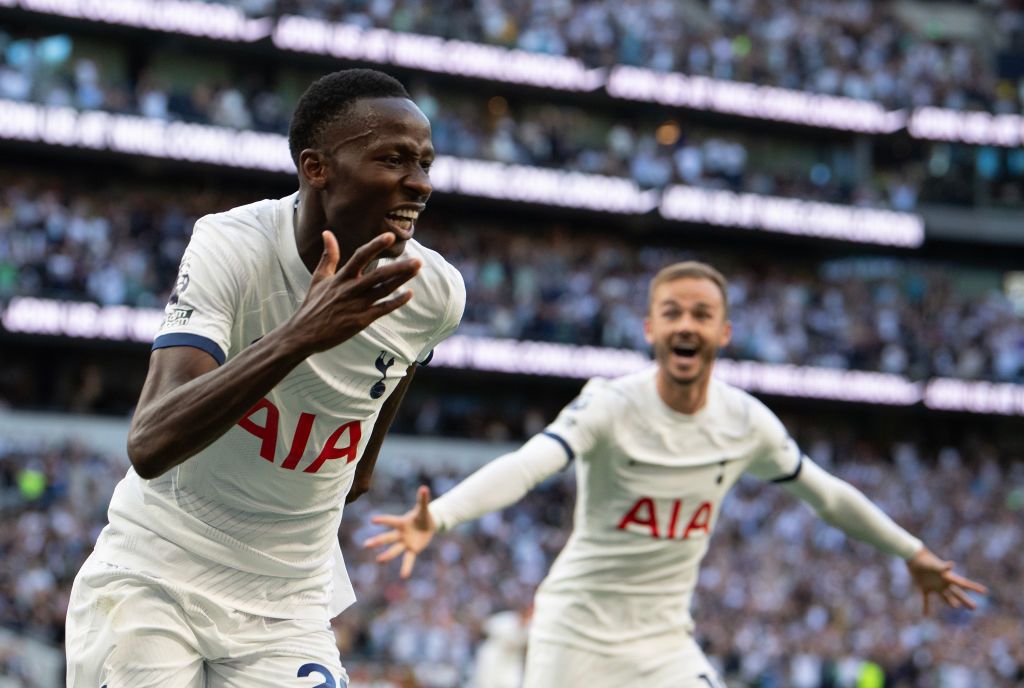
[
  {"x": 392, "y": 160},
  {"x": 426, "y": 164}
]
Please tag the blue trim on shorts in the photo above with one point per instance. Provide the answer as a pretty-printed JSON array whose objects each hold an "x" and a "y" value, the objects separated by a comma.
[
  {"x": 561, "y": 441},
  {"x": 196, "y": 341}
]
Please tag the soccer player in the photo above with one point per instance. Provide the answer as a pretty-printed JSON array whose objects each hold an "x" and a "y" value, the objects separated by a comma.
[
  {"x": 655, "y": 452},
  {"x": 285, "y": 351}
]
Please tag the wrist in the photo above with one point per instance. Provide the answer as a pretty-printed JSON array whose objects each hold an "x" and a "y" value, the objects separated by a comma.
[{"x": 289, "y": 343}]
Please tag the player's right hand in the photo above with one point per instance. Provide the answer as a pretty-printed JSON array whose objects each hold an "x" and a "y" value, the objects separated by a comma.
[
  {"x": 409, "y": 535},
  {"x": 342, "y": 302}
]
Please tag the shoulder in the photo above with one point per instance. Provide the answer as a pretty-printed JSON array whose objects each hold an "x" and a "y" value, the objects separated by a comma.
[
  {"x": 741, "y": 410},
  {"x": 437, "y": 273},
  {"x": 239, "y": 239},
  {"x": 439, "y": 285},
  {"x": 611, "y": 395}
]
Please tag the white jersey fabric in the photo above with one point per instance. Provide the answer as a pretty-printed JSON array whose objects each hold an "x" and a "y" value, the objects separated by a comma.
[
  {"x": 252, "y": 520},
  {"x": 650, "y": 485}
]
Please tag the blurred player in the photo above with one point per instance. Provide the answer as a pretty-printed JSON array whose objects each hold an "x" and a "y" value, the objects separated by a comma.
[
  {"x": 499, "y": 659},
  {"x": 656, "y": 452},
  {"x": 282, "y": 359}
]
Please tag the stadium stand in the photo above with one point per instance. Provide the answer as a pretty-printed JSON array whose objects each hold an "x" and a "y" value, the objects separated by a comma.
[{"x": 100, "y": 220}]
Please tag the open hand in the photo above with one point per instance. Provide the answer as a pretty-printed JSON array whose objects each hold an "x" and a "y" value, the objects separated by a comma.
[
  {"x": 409, "y": 535},
  {"x": 933, "y": 575},
  {"x": 342, "y": 302}
]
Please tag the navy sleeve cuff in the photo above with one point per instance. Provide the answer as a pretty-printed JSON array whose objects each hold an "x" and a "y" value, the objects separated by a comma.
[
  {"x": 561, "y": 441},
  {"x": 194, "y": 340},
  {"x": 794, "y": 475},
  {"x": 428, "y": 359}
]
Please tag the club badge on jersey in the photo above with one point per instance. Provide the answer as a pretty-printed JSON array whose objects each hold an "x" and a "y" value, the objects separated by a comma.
[{"x": 379, "y": 387}]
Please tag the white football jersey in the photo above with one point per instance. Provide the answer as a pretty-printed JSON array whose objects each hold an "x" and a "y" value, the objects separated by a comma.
[
  {"x": 252, "y": 520},
  {"x": 650, "y": 484}
]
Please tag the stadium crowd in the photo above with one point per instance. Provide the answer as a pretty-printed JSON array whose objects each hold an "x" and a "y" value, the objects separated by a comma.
[
  {"x": 819, "y": 608},
  {"x": 906, "y": 317},
  {"x": 655, "y": 153},
  {"x": 855, "y": 48}
]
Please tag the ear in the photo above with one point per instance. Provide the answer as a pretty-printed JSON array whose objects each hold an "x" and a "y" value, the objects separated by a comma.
[
  {"x": 726, "y": 337},
  {"x": 647, "y": 331},
  {"x": 313, "y": 168}
]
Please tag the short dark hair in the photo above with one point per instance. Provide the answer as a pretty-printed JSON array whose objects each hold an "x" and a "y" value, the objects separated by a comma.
[{"x": 329, "y": 97}]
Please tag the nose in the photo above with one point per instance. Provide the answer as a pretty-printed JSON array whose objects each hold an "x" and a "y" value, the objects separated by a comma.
[
  {"x": 685, "y": 323},
  {"x": 418, "y": 182}
]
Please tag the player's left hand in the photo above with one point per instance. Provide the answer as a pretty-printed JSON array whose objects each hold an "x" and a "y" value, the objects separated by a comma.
[
  {"x": 933, "y": 575},
  {"x": 409, "y": 535}
]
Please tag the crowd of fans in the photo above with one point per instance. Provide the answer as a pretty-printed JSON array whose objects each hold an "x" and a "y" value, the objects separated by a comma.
[
  {"x": 855, "y": 48},
  {"x": 819, "y": 607},
  {"x": 899, "y": 316},
  {"x": 655, "y": 153}
]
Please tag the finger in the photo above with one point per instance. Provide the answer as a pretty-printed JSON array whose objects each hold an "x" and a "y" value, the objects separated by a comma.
[
  {"x": 964, "y": 598},
  {"x": 927, "y": 604},
  {"x": 387, "y": 520},
  {"x": 382, "y": 308},
  {"x": 378, "y": 291},
  {"x": 965, "y": 583},
  {"x": 391, "y": 552},
  {"x": 423, "y": 508},
  {"x": 329, "y": 259},
  {"x": 423, "y": 497},
  {"x": 950, "y": 599},
  {"x": 407, "y": 563},
  {"x": 383, "y": 539},
  {"x": 365, "y": 254}
]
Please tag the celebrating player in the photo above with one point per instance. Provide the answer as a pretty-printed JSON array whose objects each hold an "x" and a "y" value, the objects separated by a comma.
[
  {"x": 282, "y": 359},
  {"x": 656, "y": 452}
]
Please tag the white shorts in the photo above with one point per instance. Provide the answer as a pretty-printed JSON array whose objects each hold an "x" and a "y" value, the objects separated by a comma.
[
  {"x": 128, "y": 629},
  {"x": 553, "y": 665}
]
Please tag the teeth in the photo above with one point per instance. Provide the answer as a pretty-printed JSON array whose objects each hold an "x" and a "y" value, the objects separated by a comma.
[
  {"x": 406, "y": 213},
  {"x": 404, "y": 224}
]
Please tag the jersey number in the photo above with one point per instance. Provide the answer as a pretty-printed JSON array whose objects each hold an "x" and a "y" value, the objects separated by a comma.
[{"x": 307, "y": 669}]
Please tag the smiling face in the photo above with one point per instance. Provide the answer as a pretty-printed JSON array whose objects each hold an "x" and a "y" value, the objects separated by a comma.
[
  {"x": 371, "y": 175},
  {"x": 687, "y": 325}
]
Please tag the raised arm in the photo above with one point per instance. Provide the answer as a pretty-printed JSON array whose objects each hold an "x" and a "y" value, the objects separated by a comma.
[
  {"x": 845, "y": 507},
  {"x": 498, "y": 484},
  {"x": 188, "y": 401}
]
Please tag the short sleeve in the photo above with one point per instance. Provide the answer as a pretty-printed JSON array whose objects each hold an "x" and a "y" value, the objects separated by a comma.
[
  {"x": 456, "y": 304},
  {"x": 203, "y": 304},
  {"x": 582, "y": 425},
  {"x": 779, "y": 459}
]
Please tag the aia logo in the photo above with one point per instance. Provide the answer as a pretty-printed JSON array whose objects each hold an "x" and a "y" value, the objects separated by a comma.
[
  {"x": 643, "y": 518},
  {"x": 342, "y": 444},
  {"x": 378, "y": 389}
]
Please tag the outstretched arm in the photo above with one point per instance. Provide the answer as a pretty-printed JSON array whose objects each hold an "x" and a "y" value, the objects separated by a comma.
[
  {"x": 845, "y": 507},
  {"x": 500, "y": 483}
]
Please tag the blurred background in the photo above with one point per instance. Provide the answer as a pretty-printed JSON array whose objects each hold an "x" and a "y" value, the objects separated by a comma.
[{"x": 855, "y": 168}]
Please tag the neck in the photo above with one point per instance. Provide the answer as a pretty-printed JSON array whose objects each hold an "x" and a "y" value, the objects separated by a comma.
[
  {"x": 310, "y": 221},
  {"x": 683, "y": 397}
]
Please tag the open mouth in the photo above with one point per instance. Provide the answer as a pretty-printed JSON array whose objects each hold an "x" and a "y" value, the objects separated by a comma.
[
  {"x": 403, "y": 221},
  {"x": 685, "y": 350}
]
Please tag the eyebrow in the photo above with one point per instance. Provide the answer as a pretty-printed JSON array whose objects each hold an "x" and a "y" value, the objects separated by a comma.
[
  {"x": 699, "y": 304},
  {"x": 406, "y": 146}
]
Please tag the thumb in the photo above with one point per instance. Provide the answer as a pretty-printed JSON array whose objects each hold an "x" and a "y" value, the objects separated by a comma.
[
  {"x": 329, "y": 259},
  {"x": 422, "y": 507}
]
